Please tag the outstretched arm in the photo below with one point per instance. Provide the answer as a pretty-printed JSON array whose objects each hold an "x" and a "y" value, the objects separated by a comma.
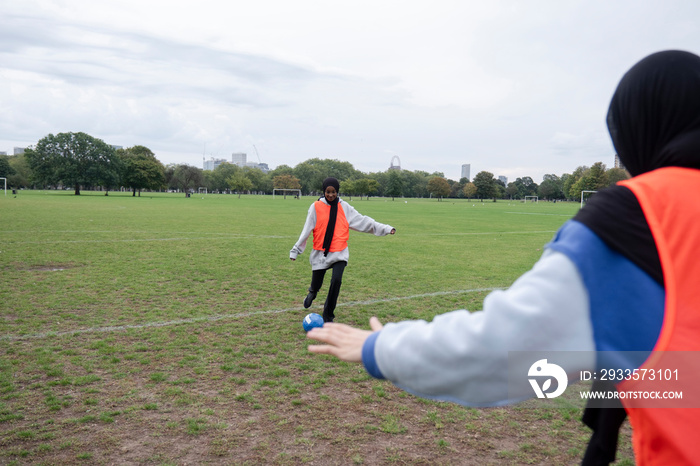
[
  {"x": 465, "y": 357},
  {"x": 309, "y": 226},
  {"x": 365, "y": 224}
]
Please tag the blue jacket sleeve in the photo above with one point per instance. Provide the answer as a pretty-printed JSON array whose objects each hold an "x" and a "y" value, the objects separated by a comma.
[{"x": 368, "y": 358}]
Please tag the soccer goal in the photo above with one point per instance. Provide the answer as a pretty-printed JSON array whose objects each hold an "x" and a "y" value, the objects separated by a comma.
[
  {"x": 202, "y": 190},
  {"x": 531, "y": 199},
  {"x": 585, "y": 195},
  {"x": 284, "y": 192}
]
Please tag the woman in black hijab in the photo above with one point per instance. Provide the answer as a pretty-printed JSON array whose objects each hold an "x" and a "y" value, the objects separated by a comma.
[
  {"x": 328, "y": 221},
  {"x": 654, "y": 122}
]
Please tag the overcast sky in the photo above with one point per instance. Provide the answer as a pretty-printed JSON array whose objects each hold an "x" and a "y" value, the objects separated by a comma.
[{"x": 516, "y": 88}]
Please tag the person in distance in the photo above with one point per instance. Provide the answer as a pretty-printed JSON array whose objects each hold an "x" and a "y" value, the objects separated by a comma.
[{"x": 329, "y": 220}]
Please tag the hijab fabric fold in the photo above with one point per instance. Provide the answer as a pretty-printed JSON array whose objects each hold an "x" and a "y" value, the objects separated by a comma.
[{"x": 330, "y": 228}]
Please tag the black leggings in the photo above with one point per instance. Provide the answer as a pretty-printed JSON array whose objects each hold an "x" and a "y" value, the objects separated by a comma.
[{"x": 333, "y": 291}]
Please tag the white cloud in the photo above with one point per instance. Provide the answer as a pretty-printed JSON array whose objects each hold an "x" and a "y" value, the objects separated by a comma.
[{"x": 515, "y": 88}]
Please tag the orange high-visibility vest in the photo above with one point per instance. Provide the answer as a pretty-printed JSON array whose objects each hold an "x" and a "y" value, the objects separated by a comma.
[
  {"x": 665, "y": 432},
  {"x": 341, "y": 234}
]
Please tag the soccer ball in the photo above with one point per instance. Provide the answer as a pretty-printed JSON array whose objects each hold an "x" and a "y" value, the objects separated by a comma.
[{"x": 312, "y": 320}]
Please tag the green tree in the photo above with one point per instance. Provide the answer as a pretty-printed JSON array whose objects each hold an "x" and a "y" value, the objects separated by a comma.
[
  {"x": 589, "y": 179},
  {"x": 439, "y": 187},
  {"x": 348, "y": 187},
  {"x": 217, "y": 179},
  {"x": 281, "y": 170},
  {"x": 456, "y": 189},
  {"x": 260, "y": 182},
  {"x": 141, "y": 169},
  {"x": 550, "y": 188},
  {"x": 526, "y": 186},
  {"x": 372, "y": 187},
  {"x": 170, "y": 181},
  {"x": 240, "y": 182},
  {"x": 597, "y": 175},
  {"x": 469, "y": 189},
  {"x": 364, "y": 186},
  {"x": 336, "y": 168},
  {"x": 286, "y": 182},
  {"x": 72, "y": 159},
  {"x": 310, "y": 177},
  {"x": 6, "y": 169},
  {"x": 394, "y": 187},
  {"x": 568, "y": 181},
  {"x": 485, "y": 185},
  {"x": 616, "y": 174},
  {"x": 500, "y": 189},
  {"x": 186, "y": 177},
  {"x": 415, "y": 183},
  {"x": 22, "y": 172},
  {"x": 583, "y": 184}
]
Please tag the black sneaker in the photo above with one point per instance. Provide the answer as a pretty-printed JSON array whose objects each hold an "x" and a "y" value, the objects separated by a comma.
[{"x": 309, "y": 299}]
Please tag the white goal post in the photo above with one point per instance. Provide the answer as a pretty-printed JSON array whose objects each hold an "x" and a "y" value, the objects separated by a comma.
[
  {"x": 582, "y": 196},
  {"x": 532, "y": 199},
  {"x": 285, "y": 191},
  {"x": 202, "y": 190},
  {"x": 5, "y": 180}
]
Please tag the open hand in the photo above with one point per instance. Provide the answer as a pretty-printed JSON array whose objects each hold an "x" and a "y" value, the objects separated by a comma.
[{"x": 342, "y": 341}]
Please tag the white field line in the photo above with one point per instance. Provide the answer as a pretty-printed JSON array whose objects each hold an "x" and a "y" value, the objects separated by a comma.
[
  {"x": 537, "y": 213},
  {"x": 211, "y": 238},
  {"x": 206, "y": 238},
  {"x": 215, "y": 318},
  {"x": 488, "y": 233}
]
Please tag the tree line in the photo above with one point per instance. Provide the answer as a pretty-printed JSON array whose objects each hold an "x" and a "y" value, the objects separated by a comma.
[{"x": 79, "y": 161}]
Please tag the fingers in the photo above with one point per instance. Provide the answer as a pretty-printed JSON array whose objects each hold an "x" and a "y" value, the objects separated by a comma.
[
  {"x": 375, "y": 325},
  {"x": 340, "y": 340},
  {"x": 323, "y": 349}
]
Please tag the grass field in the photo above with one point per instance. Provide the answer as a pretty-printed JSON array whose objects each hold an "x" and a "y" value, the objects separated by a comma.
[{"x": 167, "y": 330}]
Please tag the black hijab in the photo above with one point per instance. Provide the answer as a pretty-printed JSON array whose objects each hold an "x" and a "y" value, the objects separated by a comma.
[
  {"x": 330, "y": 228},
  {"x": 654, "y": 122},
  {"x": 654, "y": 115}
]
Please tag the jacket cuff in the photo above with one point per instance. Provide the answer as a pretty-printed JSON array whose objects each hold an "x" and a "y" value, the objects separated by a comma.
[{"x": 368, "y": 359}]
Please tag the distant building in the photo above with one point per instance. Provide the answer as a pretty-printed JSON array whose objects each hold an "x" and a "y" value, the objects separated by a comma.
[
  {"x": 466, "y": 171},
  {"x": 504, "y": 179},
  {"x": 260, "y": 166},
  {"x": 239, "y": 158},
  {"x": 2, "y": 152},
  {"x": 397, "y": 165},
  {"x": 19, "y": 150},
  {"x": 212, "y": 163},
  {"x": 115, "y": 147}
]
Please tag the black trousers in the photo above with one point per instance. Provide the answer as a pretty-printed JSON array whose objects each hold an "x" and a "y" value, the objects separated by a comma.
[{"x": 333, "y": 291}]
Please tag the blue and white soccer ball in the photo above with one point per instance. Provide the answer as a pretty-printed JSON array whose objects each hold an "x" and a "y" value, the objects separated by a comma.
[{"x": 312, "y": 320}]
